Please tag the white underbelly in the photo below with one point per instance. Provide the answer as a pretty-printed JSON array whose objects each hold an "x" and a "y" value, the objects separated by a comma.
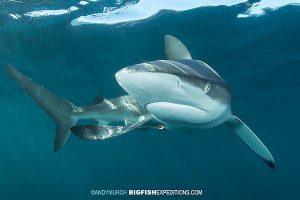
[{"x": 179, "y": 115}]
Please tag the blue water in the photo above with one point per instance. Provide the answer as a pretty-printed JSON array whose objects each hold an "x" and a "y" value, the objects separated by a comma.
[{"x": 259, "y": 57}]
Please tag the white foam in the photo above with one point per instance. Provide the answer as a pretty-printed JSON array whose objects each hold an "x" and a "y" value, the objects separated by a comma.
[
  {"x": 16, "y": 1},
  {"x": 242, "y": 15},
  {"x": 119, "y": 2},
  {"x": 83, "y": 3},
  {"x": 15, "y": 16},
  {"x": 258, "y": 8},
  {"x": 145, "y": 9},
  {"x": 42, "y": 13},
  {"x": 73, "y": 8},
  {"x": 109, "y": 9}
]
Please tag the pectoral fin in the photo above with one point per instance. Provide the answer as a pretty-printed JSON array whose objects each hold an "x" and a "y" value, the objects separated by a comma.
[
  {"x": 98, "y": 100},
  {"x": 92, "y": 132},
  {"x": 247, "y": 135}
]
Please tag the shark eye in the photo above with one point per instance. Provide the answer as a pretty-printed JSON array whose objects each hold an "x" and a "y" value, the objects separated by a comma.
[
  {"x": 178, "y": 84},
  {"x": 207, "y": 88}
]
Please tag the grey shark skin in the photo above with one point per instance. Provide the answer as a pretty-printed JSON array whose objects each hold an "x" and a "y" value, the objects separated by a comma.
[
  {"x": 181, "y": 94},
  {"x": 186, "y": 93},
  {"x": 177, "y": 93}
]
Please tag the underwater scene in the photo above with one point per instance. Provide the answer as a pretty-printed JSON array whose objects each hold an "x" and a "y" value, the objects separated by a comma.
[{"x": 150, "y": 99}]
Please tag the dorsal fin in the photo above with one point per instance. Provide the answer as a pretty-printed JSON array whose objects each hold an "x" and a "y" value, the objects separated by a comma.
[
  {"x": 175, "y": 49},
  {"x": 98, "y": 100}
]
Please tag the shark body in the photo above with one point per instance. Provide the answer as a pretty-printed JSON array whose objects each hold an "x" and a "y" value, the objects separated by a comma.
[{"x": 177, "y": 93}]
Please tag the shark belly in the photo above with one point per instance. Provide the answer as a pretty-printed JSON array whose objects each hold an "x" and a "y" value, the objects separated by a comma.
[
  {"x": 177, "y": 114},
  {"x": 185, "y": 116}
]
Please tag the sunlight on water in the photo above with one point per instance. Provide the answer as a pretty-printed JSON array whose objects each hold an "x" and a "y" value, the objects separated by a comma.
[
  {"x": 74, "y": 48},
  {"x": 259, "y": 8},
  {"x": 132, "y": 11}
]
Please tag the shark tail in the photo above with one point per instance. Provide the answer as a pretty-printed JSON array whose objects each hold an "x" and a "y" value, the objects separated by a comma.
[{"x": 59, "y": 109}]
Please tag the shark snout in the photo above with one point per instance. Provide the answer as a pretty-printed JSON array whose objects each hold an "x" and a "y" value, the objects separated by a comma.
[
  {"x": 122, "y": 76},
  {"x": 128, "y": 79},
  {"x": 138, "y": 83}
]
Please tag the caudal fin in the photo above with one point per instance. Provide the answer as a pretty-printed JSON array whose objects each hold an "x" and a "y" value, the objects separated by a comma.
[
  {"x": 247, "y": 135},
  {"x": 59, "y": 109}
]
